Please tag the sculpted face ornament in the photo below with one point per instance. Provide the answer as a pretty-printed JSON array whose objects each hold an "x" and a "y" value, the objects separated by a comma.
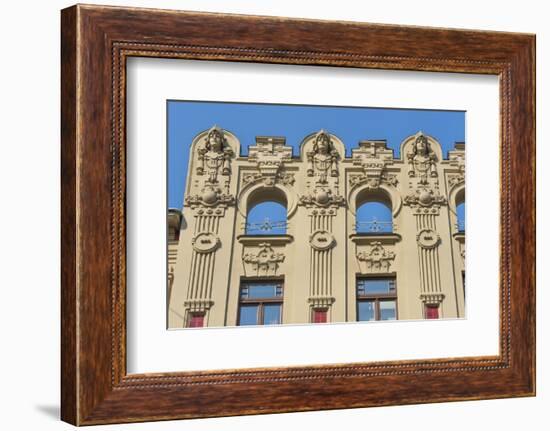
[
  {"x": 322, "y": 144},
  {"x": 422, "y": 146},
  {"x": 215, "y": 141}
]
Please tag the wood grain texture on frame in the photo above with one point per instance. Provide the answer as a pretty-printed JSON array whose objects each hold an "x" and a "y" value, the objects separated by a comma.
[{"x": 96, "y": 41}]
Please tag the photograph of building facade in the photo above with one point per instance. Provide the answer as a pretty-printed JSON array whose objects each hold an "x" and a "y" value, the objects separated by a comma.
[{"x": 280, "y": 238}]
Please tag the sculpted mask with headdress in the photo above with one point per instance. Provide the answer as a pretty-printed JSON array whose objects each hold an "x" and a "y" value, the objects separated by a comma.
[
  {"x": 323, "y": 159},
  {"x": 215, "y": 155},
  {"x": 421, "y": 158}
]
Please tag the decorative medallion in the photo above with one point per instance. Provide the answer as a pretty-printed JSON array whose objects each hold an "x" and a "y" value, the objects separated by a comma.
[
  {"x": 425, "y": 197},
  {"x": 321, "y": 197},
  {"x": 205, "y": 242},
  {"x": 322, "y": 240},
  {"x": 210, "y": 196},
  {"x": 427, "y": 238}
]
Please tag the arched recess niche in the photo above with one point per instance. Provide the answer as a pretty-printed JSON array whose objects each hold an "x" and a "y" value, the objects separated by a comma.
[
  {"x": 383, "y": 193},
  {"x": 258, "y": 192}
]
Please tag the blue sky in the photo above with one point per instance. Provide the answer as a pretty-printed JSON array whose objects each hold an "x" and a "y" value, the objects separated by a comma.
[{"x": 247, "y": 120}]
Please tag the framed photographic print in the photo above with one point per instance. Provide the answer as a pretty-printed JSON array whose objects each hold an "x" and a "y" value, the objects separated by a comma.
[{"x": 278, "y": 207}]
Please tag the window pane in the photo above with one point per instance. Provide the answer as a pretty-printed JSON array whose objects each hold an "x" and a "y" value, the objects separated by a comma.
[
  {"x": 461, "y": 217},
  {"x": 388, "y": 310},
  {"x": 248, "y": 315},
  {"x": 272, "y": 314},
  {"x": 266, "y": 218},
  {"x": 263, "y": 290},
  {"x": 365, "y": 311},
  {"x": 374, "y": 286},
  {"x": 374, "y": 217}
]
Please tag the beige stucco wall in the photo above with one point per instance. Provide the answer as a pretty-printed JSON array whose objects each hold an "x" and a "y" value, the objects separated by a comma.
[{"x": 321, "y": 255}]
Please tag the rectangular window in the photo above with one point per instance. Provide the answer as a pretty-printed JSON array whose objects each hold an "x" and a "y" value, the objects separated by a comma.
[
  {"x": 432, "y": 311},
  {"x": 320, "y": 315},
  {"x": 261, "y": 303},
  {"x": 376, "y": 299},
  {"x": 196, "y": 320}
]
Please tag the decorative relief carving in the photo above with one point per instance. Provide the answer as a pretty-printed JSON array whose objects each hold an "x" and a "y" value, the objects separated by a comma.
[
  {"x": 316, "y": 212},
  {"x": 270, "y": 155},
  {"x": 323, "y": 160},
  {"x": 322, "y": 240},
  {"x": 373, "y": 157},
  {"x": 210, "y": 196},
  {"x": 270, "y": 151},
  {"x": 377, "y": 259},
  {"x": 285, "y": 178},
  {"x": 371, "y": 151},
  {"x": 454, "y": 180},
  {"x": 322, "y": 197},
  {"x": 457, "y": 157},
  {"x": 421, "y": 159},
  {"x": 428, "y": 238},
  {"x": 264, "y": 261},
  {"x": 373, "y": 181},
  {"x": 424, "y": 197},
  {"x": 432, "y": 298},
  {"x": 218, "y": 212},
  {"x": 205, "y": 242},
  {"x": 215, "y": 156},
  {"x": 251, "y": 177},
  {"x": 321, "y": 301},
  {"x": 211, "y": 184},
  {"x": 198, "y": 305}
]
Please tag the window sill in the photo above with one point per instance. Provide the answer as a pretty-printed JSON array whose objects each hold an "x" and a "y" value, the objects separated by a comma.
[
  {"x": 272, "y": 239},
  {"x": 368, "y": 238},
  {"x": 460, "y": 236}
]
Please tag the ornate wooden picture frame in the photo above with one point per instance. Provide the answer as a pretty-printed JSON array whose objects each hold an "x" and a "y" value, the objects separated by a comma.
[{"x": 96, "y": 41}]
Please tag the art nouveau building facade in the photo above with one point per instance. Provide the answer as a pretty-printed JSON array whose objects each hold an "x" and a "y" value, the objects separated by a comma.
[{"x": 322, "y": 259}]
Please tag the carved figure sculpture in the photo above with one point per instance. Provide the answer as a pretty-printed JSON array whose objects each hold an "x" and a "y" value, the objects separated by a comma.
[
  {"x": 323, "y": 159},
  {"x": 421, "y": 159},
  {"x": 214, "y": 156}
]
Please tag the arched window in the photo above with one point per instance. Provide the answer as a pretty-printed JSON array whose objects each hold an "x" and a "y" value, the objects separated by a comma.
[
  {"x": 460, "y": 212},
  {"x": 461, "y": 217},
  {"x": 267, "y": 213},
  {"x": 373, "y": 214}
]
